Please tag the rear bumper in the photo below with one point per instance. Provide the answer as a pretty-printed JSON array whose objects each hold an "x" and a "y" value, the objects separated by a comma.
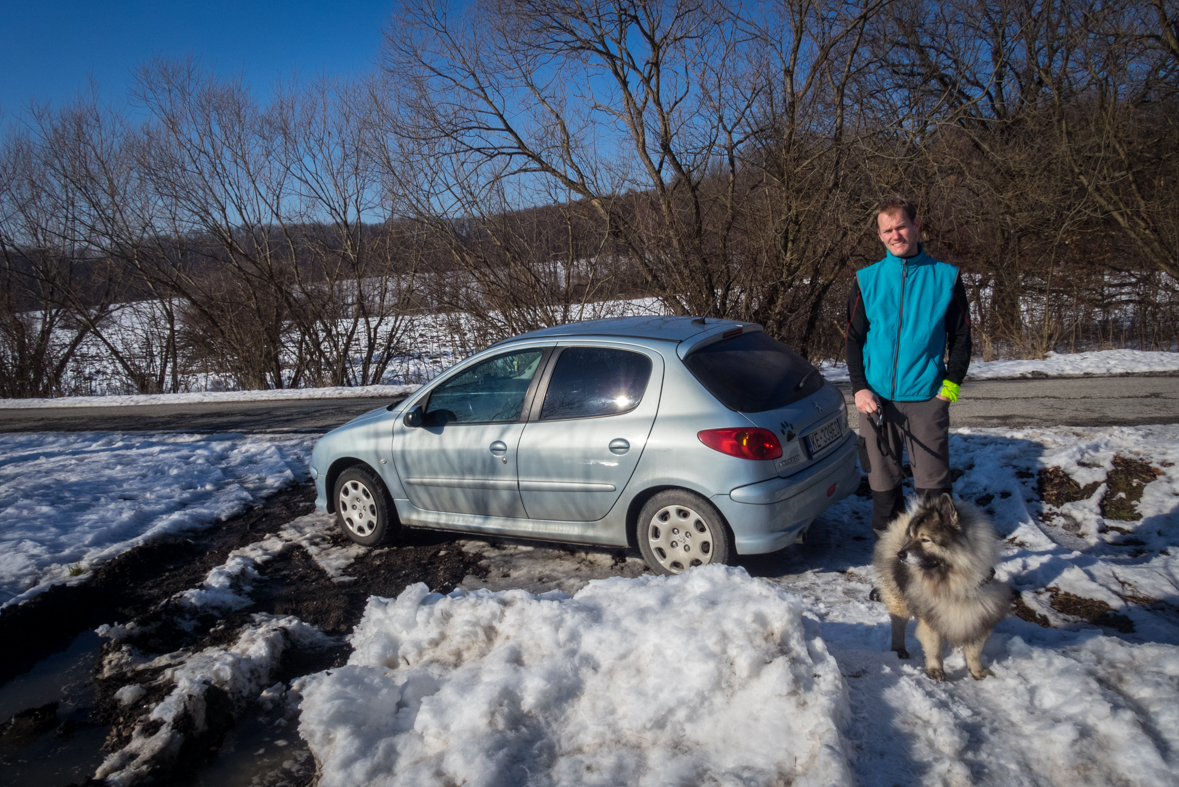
[{"x": 768, "y": 516}]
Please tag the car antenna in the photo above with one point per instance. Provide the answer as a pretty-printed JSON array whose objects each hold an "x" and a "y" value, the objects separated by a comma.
[{"x": 698, "y": 321}]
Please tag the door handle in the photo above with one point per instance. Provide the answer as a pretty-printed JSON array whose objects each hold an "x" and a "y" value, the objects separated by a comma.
[
  {"x": 499, "y": 448},
  {"x": 619, "y": 446}
]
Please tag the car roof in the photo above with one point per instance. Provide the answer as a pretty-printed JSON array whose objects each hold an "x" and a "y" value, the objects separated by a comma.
[{"x": 672, "y": 329}]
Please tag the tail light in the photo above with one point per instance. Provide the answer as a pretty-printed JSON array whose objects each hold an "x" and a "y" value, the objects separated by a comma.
[{"x": 743, "y": 443}]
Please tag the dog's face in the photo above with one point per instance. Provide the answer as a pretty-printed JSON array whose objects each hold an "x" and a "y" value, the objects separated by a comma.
[{"x": 932, "y": 534}]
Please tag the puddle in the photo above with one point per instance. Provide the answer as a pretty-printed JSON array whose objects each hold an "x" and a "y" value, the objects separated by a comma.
[
  {"x": 263, "y": 749},
  {"x": 51, "y": 759}
]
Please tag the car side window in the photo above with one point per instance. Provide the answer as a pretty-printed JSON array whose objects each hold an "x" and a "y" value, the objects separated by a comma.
[
  {"x": 493, "y": 390},
  {"x": 594, "y": 381}
]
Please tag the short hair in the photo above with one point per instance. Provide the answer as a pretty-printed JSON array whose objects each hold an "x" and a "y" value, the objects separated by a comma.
[{"x": 893, "y": 204}]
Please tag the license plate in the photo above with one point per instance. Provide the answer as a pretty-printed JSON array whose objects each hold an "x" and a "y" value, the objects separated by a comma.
[{"x": 824, "y": 436}]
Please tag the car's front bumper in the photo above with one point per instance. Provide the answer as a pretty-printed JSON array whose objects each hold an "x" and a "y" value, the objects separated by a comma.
[
  {"x": 769, "y": 515},
  {"x": 320, "y": 488}
]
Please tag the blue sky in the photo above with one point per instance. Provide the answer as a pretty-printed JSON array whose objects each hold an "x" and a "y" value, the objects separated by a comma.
[{"x": 52, "y": 48}]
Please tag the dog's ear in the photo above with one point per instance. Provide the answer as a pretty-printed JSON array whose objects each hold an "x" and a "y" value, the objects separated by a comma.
[
  {"x": 927, "y": 497},
  {"x": 949, "y": 514}
]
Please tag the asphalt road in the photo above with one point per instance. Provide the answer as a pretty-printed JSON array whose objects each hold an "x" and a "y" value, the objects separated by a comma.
[
  {"x": 1123, "y": 400},
  {"x": 1079, "y": 401},
  {"x": 292, "y": 415}
]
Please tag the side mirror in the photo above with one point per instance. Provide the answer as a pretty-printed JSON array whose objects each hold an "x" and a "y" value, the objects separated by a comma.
[{"x": 413, "y": 416}]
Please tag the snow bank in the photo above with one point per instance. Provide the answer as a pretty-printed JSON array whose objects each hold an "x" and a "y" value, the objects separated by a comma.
[
  {"x": 1078, "y": 364},
  {"x": 704, "y": 678}
]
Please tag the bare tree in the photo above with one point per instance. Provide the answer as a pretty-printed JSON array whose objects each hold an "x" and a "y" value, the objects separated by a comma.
[
  {"x": 92, "y": 153},
  {"x": 352, "y": 283},
  {"x": 57, "y": 287},
  {"x": 975, "y": 75},
  {"x": 218, "y": 176},
  {"x": 606, "y": 100},
  {"x": 1115, "y": 110},
  {"x": 813, "y": 197}
]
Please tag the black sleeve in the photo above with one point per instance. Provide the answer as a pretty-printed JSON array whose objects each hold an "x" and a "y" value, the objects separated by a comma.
[
  {"x": 957, "y": 334},
  {"x": 855, "y": 336}
]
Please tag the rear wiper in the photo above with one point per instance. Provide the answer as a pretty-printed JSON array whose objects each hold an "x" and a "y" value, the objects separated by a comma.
[{"x": 805, "y": 377}]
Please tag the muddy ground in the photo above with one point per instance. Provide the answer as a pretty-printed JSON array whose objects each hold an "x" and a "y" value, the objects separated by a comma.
[{"x": 136, "y": 587}]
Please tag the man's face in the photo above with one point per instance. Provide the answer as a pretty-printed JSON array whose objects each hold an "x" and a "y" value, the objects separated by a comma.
[{"x": 898, "y": 234}]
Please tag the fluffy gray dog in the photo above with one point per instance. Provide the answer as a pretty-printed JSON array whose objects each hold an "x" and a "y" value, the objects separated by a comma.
[{"x": 936, "y": 562}]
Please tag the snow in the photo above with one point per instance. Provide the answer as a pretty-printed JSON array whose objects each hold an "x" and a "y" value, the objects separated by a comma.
[
  {"x": 619, "y": 684},
  {"x": 71, "y": 501},
  {"x": 570, "y": 666}
]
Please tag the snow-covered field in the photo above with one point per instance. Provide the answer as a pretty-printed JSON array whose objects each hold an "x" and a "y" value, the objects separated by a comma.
[{"x": 556, "y": 670}]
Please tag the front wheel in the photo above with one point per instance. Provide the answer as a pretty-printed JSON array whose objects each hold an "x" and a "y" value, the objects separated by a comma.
[
  {"x": 364, "y": 508},
  {"x": 678, "y": 529}
]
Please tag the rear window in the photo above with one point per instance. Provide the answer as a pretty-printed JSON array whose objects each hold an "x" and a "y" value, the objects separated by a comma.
[{"x": 752, "y": 373}]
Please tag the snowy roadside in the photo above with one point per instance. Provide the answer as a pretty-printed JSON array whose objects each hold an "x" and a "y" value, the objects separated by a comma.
[
  {"x": 199, "y": 397},
  {"x": 69, "y": 502},
  {"x": 537, "y": 669}
]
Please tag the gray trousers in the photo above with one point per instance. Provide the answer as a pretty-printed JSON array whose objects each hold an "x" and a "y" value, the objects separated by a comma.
[{"x": 921, "y": 427}]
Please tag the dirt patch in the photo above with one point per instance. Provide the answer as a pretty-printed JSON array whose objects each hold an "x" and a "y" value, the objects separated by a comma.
[
  {"x": 1124, "y": 485},
  {"x": 1127, "y": 480},
  {"x": 1093, "y": 610},
  {"x": 1057, "y": 487},
  {"x": 1024, "y": 612}
]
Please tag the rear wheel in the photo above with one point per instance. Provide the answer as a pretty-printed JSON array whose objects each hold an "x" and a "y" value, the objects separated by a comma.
[
  {"x": 363, "y": 507},
  {"x": 678, "y": 529}
]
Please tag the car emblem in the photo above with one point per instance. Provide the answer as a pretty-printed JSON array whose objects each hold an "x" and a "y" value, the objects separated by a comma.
[{"x": 818, "y": 407}]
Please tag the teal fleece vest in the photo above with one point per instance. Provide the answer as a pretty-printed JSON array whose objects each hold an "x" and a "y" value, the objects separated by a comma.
[{"x": 905, "y": 302}]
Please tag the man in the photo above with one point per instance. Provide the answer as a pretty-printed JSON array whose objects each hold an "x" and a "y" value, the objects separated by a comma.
[{"x": 904, "y": 313}]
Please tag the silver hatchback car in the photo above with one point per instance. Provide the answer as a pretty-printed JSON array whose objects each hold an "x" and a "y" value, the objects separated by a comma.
[{"x": 695, "y": 440}]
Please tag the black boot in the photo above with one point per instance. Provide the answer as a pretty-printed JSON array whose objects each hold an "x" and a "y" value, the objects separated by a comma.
[{"x": 886, "y": 506}]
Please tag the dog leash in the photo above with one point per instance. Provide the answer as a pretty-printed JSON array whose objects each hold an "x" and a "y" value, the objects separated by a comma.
[{"x": 882, "y": 444}]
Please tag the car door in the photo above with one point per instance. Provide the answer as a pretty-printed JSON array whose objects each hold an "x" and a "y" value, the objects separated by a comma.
[
  {"x": 585, "y": 437},
  {"x": 462, "y": 459}
]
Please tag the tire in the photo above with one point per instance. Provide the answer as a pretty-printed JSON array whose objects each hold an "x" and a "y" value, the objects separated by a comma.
[
  {"x": 363, "y": 507},
  {"x": 678, "y": 529}
]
